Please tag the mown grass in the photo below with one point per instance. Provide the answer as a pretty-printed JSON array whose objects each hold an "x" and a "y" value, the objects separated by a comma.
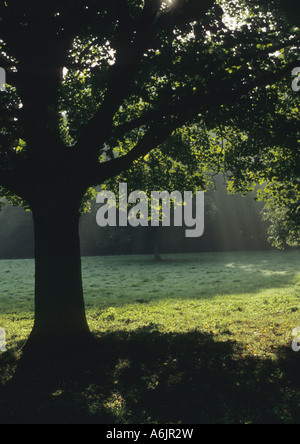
[
  {"x": 197, "y": 338},
  {"x": 253, "y": 298}
]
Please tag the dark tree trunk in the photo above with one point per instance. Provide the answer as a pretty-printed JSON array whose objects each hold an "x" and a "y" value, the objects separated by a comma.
[
  {"x": 157, "y": 255},
  {"x": 60, "y": 318},
  {"x": 156, "y": 244},
  {"x": 60, "y": 334}
]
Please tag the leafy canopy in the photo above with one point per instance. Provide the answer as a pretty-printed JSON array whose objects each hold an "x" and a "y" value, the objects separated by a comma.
[{"x": 160, "y": 93}]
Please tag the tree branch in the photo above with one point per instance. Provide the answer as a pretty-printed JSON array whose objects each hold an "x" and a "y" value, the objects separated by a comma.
[
  {"x": 198, "y": 102},
  {"x": 130, "y": 43},
  {"x": 152, "y": 139},
  {"x": 10, "y": 181},
  {"x": 184, "y": 110}
]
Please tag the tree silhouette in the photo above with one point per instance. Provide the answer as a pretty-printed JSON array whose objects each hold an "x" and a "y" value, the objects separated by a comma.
[{"x": 94, "y": 86}]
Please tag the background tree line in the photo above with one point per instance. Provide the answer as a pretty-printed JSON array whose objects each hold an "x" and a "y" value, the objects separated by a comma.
[{"x": 232, "y": 223}]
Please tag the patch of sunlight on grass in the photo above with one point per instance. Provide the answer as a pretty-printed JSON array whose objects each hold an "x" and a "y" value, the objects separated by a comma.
[{"x": 251, "y": 298}]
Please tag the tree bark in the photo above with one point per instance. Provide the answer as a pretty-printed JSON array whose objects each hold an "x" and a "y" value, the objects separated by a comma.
[
  {"x": 60, "y": 319},
  {"x": 156, "y": 242}
]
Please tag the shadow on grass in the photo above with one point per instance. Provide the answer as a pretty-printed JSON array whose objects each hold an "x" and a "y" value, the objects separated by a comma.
[{"x": 149, "y": 377}]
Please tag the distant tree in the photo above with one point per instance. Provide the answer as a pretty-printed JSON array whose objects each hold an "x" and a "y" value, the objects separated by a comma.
[
  {"x": 93, "y": 87},
  {"x": 282, "y": 211}
]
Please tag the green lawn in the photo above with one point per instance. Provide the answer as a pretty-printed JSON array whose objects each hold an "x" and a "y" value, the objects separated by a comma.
[
  {"x": 251, "y": 297},
  {"x": 227, "y": 317}
]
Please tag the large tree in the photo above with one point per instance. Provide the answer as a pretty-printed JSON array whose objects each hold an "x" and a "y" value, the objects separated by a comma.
[{"x": 94, "y": 86}]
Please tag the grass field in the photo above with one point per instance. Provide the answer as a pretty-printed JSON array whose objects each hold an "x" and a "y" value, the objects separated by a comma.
[{"x": 196, "y": 338}]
